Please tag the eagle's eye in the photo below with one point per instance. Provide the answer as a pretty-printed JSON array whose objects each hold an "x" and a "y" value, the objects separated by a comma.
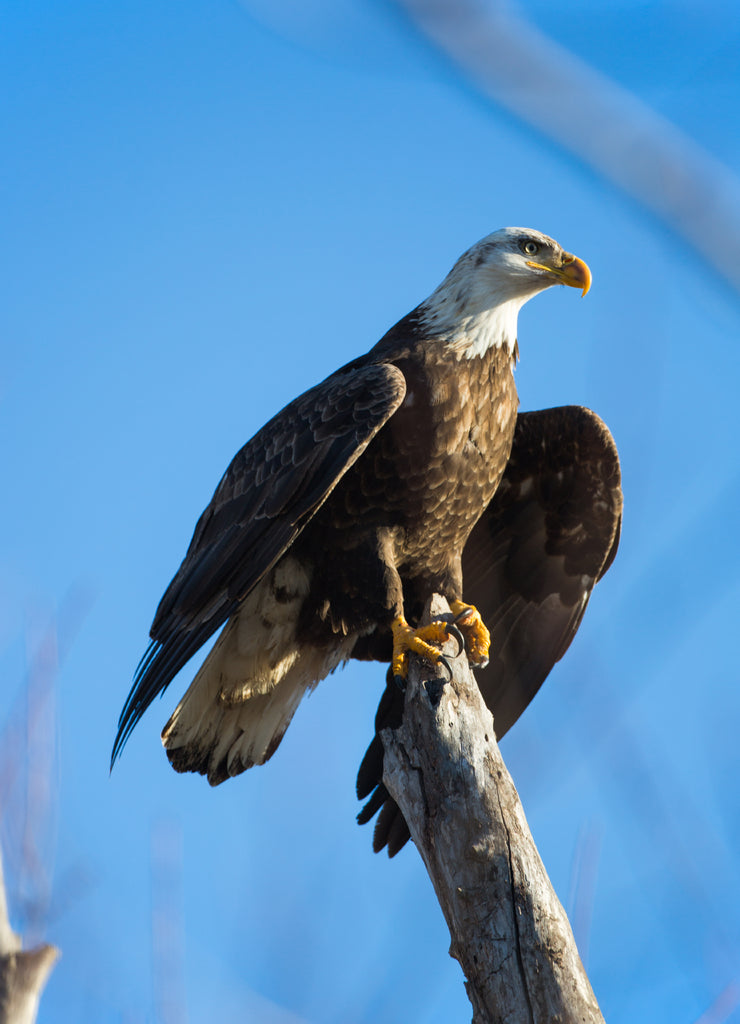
[{"x": 529, "y": 247}]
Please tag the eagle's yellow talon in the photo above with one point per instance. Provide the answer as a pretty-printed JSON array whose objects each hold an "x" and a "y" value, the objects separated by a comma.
[
  {"x": 418, "y": 641},
  {"x": 434, "y": 633},
  {"x": 472, "y": 626}
]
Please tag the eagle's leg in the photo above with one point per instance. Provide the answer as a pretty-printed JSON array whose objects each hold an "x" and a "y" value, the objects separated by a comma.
[
  {"x": 473, "y": 628},
  {"x": 419, "y": 641}
]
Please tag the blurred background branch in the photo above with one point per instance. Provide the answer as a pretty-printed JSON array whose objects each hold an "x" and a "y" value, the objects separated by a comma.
[
  {"x": 23, "y": 973},
  {"x": 28, "y": 800},
  {"x": 591, "y": 116}
]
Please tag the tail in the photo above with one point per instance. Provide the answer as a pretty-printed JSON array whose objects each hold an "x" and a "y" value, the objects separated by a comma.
[{"x": 236, "y": 710}]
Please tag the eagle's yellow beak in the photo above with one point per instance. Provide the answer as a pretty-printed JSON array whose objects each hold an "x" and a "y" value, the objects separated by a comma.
[{"x": 574, "y": 272}]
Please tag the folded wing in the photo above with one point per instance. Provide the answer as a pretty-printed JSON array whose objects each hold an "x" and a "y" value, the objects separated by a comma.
[{"x": 272, "y": 488}]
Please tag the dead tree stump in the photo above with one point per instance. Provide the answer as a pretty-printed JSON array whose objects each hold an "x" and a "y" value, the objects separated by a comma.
[{"x": 509, "y": 932}]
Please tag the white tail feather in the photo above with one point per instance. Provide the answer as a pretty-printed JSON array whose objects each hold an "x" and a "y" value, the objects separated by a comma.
[{"x": 236, "y": 710}]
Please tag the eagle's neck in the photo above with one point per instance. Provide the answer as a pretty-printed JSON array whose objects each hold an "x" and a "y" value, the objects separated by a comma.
[{"x": 468, "y": 324}]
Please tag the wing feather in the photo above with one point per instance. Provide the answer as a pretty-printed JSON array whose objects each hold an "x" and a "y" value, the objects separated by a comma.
[
  {"x": 533, "y": 558},
  {"x": 272, "y": 488}
]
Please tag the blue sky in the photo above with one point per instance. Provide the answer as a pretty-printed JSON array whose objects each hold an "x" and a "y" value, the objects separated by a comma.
[{"x": 207, "y": 207}]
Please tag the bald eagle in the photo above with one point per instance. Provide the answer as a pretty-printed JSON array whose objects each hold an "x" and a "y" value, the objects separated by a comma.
[{"x": 406, "y": 472}]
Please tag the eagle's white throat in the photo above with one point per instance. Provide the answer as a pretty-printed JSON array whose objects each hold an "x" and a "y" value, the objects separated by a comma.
[
  {"x": 475, "y": 334},
  {"x": 469, "y": 331}
]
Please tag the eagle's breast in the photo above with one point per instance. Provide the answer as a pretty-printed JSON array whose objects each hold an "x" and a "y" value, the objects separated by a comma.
[
  {"x": 453, "y": 447},
  {"x": 433, "y": 469}
]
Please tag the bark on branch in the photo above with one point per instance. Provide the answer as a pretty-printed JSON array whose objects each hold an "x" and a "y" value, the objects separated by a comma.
[{"x": 509, "y": 931}]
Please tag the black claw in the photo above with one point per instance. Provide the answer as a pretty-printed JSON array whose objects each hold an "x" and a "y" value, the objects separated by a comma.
[
  {"x": 464, "y": 614},
  {"x": 400, "y": 682},
  {"x": 448, "y": 667},
  {"x": 456, "y": 634}
]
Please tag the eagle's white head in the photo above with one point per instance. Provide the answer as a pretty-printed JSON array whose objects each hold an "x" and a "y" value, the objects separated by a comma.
[{"x": 475, "y": 308}]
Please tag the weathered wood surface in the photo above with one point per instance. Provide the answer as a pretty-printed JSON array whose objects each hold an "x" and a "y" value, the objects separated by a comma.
[
  {"x": 509, "y": 931},
  {"x": 23, "y": 973}
]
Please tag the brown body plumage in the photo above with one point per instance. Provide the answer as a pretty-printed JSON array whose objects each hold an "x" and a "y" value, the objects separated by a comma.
[{"x": 398, "y": 520}]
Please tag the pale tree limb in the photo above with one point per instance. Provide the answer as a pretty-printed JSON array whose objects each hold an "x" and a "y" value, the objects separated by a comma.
[
  {"x": 27, "y": 757},
  {"x": 23, "y": 973},
  {"x": 509, "y": 932}
]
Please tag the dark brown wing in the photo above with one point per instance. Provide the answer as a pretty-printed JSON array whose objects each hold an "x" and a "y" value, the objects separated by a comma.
[
  {"x": 532, "y": 560},
  {"x": 529, "y": 566},
  {"x": 270, "y": 491}
]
